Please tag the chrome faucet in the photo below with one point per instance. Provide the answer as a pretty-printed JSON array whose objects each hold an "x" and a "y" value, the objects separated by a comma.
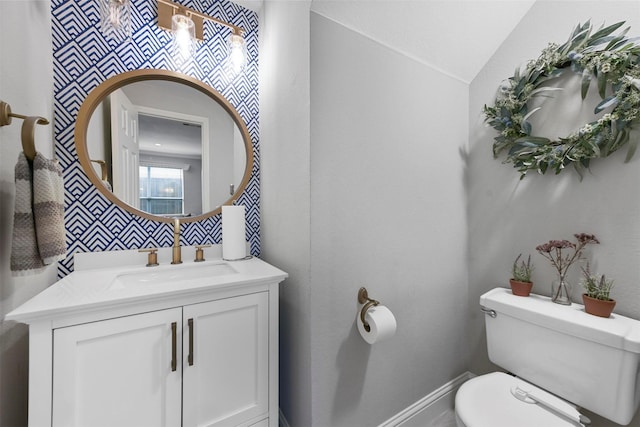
[{"x": 177, "y": 252}]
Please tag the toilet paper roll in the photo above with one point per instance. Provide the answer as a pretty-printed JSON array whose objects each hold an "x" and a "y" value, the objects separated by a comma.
[
  {"x": 233, "y": 233},
  {"x": 382, "y": 324}
]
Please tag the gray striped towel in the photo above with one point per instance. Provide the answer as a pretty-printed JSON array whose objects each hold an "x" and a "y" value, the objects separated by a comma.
[{"x": 38, "y": 220}]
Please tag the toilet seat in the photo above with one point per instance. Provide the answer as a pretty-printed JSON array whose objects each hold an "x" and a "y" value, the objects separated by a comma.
[{"x": 487, "y": 401}]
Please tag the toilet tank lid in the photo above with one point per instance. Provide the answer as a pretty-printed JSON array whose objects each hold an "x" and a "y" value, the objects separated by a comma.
[{"x": 616, "y": 331}]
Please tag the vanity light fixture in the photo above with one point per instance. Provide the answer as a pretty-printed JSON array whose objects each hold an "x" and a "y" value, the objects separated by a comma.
[
  {"x": 187, "y": 25},
  {"x": 115, "y": 19}
]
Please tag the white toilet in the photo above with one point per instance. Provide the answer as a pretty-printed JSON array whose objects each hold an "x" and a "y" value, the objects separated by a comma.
[{"x": 557, "y": 352}]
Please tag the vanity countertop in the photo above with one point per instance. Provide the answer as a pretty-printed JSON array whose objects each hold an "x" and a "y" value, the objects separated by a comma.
[{"x": 94, "y": 287}]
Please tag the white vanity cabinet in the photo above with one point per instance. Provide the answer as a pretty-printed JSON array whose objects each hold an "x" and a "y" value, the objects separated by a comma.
[
  {"x": 201, "y": 352},
  {"x": 117, "y": 372},
  {"x": 208, "y": 359},
  {"x": 225, "y": 363}
]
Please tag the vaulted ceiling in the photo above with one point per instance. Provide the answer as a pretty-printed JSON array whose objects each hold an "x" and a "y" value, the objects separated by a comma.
[{"x": 455, "y": 36}]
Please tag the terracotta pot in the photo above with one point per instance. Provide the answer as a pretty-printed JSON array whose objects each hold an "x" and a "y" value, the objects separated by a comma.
[
  {"x": 522, "y": 289},
  {"x": 598, "y": 307}
]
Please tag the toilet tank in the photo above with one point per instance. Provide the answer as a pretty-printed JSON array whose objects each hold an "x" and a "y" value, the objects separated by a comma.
[{"x": 590, "y": 361}]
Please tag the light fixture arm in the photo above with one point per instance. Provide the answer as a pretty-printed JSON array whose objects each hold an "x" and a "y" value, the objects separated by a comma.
[{"x": 167, "y": 8}]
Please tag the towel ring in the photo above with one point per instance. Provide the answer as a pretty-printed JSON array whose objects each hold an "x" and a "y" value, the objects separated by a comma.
[
  {"x": 103, "y": 168},
  {"x": 363, "y": 298},
  {"x": 28, "y": 135},
  {"x": 28, "y": 128}
]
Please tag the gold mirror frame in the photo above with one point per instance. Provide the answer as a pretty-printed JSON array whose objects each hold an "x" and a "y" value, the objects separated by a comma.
[{"x": 97, "y": 95}]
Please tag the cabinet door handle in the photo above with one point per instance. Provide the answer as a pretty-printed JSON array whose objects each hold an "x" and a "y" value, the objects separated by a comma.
[
  {"x": 190, "y": 357},
  {"x": 174, "y": 346}
]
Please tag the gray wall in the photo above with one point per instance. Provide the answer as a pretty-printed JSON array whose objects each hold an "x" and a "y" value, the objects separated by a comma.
[
  {"x": 384, "y": 209},
  {"x": 285, "y": 190},
  {"x": 508, "y": 216},
  {"x": 388, "y": 213},
  {"x": 26, "y": 83},
  {"x": 360, "y": 212}
]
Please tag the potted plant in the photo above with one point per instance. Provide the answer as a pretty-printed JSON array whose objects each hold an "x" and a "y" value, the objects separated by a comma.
[
  {"x": 520, "y": 281},
  {"x": 596, "y": 298}
]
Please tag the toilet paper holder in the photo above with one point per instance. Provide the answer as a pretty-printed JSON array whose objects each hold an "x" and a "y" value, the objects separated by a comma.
[{"x": 363, "y": 298}]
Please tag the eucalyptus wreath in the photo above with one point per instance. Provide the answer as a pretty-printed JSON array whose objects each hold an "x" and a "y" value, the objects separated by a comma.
[{"x": 613, "y": 61}]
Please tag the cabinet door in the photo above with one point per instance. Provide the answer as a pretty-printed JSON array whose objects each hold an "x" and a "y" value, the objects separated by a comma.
[
  {"x": 119, "y": 372},
  {"x": 225, "y": 359}
]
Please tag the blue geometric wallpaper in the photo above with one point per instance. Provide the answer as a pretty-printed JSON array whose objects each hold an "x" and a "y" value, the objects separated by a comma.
[{"x": 83, "y": 58}]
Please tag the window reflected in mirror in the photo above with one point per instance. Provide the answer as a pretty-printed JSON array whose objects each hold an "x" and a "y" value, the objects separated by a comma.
[{"x": 162, "y": 190}]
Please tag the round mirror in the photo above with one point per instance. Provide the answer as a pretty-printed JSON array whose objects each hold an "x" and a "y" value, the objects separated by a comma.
[{"x": 163, "y": 145}]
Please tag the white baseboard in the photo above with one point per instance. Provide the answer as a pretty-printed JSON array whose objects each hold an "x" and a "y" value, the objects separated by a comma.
[{"x": 422, "y": 406}]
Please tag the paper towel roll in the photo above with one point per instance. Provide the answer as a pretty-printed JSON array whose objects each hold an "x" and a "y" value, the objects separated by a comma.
[
  {"x": 382, "y": 324},
  {"x": 233, "y": 233}
]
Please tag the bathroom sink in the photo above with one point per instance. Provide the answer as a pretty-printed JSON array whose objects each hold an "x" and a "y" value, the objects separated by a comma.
[{"x": 170, "y": 275}]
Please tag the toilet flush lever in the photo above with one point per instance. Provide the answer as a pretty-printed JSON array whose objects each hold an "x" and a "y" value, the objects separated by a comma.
[{"x": 488, "y": 311}]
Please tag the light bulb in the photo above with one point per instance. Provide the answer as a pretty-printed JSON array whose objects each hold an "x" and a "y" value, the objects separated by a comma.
[
  {"x": 115, "y": 10},
  {"x": 184, "y": 32},
  {"x": 115, "y": 19},
  {"x": 237, "y": 53}
]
